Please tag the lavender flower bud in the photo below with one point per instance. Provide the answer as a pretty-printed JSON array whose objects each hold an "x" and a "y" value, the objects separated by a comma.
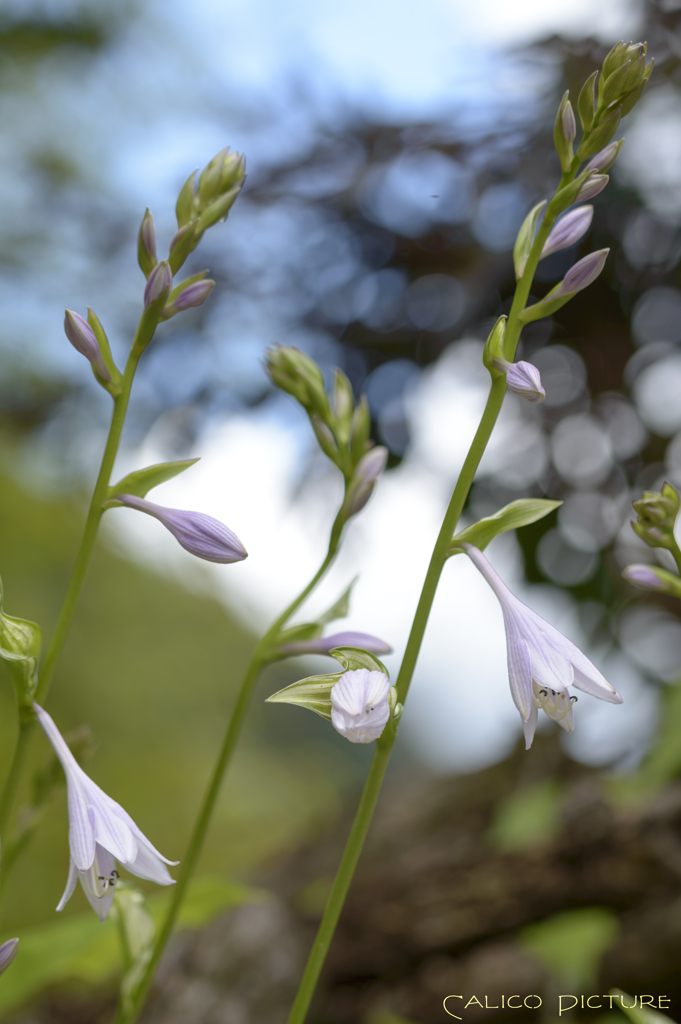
[
  {"x": 83, "y": 339},
  {"x": 8, "y": 950},
  {"x": 193, "y": 295},
  {"x": 369, "y": 468},
  {"x": 581, "y": 275},
  {"x": 594, "y": 184},
  {"x": 159, "y": 284},
  {"x": 651, "y": 577},
  {"x": 522, "y": 379},
  {"x": 604, "y": 160},
  {"x": 568, "y": 230},
  {"x": 197, "y": 533},
  {"x": 324, "y": 644},
  {"x": 146, "y": 245}
]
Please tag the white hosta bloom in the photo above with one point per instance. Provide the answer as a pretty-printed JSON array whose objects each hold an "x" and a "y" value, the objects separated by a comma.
[
  {"x": 360, "y": 705},
  {"x": 542, "y": 663},
  {"x": 100, "y": 833}
]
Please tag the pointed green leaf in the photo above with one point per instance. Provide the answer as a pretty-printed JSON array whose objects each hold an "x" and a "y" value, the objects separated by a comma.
[
  {"x": 352, "y": 658},
  {"x": 298, "y": 634},
  {"x": 523, "y": 244},
  {"x": 510, "y": 517},
  {"x": 313, "y": 693},
  {"x": 20, "y": 642},
  {"x": 340, "y": 608},
  {"x": 142, "y": 481}
]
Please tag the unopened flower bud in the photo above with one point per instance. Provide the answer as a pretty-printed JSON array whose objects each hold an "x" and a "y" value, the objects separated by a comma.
[
  {"x": 146, "y": 245},
  {"x": 182, "y": 243},
  {"x": 604, "y": 160},
  {"x": 657, "y": 513},
  {"x": 159, "y": 284},
  {"x": 8, "y": 950},
  {"x": 360, "y": 430},
  {"x": 186, "y": 208},
  {"x": 360, "y": 706},
  {"x": 586, "y": 104},
  {"x": 600, "y": 136},
  {"x": 327, "y": 442},
  {"x": 652, "y": 577},
  {"x": 494, "y": 346},
  {"x": 83, "y": 339},
  {"x": 522, "y": 379},
  {"x": 225, "y": 172},
  {"x": 582, "y": 274},
  {"x": 592, "y": 187},
  {"x": 324, "y": 644},
  {"x": 217, "y": 210},
  {"x": 196, "y": 532},
  {"x": 343, "y": 405},
  {"x": 613, "y": 86},
  {"x": 361, "y": 487},
  {"x": 569, "y": 230},
  {"x": 298, "y": 375},
  {"x": 564, "y": 132},
  {"x": 193, "y": 295}
]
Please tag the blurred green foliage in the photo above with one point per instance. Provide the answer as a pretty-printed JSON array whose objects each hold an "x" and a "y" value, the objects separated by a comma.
[
  {"x": 528, "y": 816},
  {"x": 571, "y": 945}
]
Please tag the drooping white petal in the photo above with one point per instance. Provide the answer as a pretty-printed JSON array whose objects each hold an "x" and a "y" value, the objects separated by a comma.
[
  {"x": 81, "y": 824},
  {"x": 530, "y": 726},
  {"x": 148, "y": 864},
  {"x": 111, "y": 831},
  {"x": 519, "y": 668},
  {"x": 70, "y": 885},
  {"x": 586, "y": 675}
]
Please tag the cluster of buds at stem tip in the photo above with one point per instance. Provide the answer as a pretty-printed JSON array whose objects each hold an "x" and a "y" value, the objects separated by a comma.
[
  {"x": 652, "y": 577},
  {"x": 88, "y": 338},
  {"x": 657, "y": 513},
  {"x": 199, "y": 208},
  {"x": 342, "y": 427},
  {"x": 623, "y": 78}
]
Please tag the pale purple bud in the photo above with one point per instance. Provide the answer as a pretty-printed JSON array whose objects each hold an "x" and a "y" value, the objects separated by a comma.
[
  {"x": 584, "y": 273},
  {"x": 8, "y": 950},
  {"x": 369, "y": 467},
  {"x": 324, "y": 644},
  {"x": 160, "y": 282},
  {"x": 83, "y": 339},
  {"x": 197, "y": 533},
  {"x": 568, "y": 230},
  {"x": 591, "y": 187},
  {"x": 193, "y": 295},
  {"x": 569, "y": 123},
  {"x": 652, "y": 577},
  {"x": 522, "y": 379},
  {"x": 604, "y": 160}
]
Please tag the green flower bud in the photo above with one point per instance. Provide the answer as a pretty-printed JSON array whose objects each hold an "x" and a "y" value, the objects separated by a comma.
[
  {"x": 586, "y": 104},
  {"x": 146, "y": 245},
  {"x": 298, "y": 375},
  {"x": 217, "y": 211},
  {"x": 615, "y": 58},
  {"x": 182, "y": 243},
  {"x": 494, "y": 347},
  {"x": 614, "y": 86},
  {"x": 657, "y": 514},
  {"x": 343, "y": 406},
  {"x": 187, "y": 201},
  {"x": 361, "y": 430},
  {"x": 600, "y": 137}
]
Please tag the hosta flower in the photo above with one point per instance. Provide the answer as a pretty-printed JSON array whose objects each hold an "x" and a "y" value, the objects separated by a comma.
[
  {"x": 100, "y": 834},
  {"x": 360, "y": 705},
  {"x": 542, "y": 663}
]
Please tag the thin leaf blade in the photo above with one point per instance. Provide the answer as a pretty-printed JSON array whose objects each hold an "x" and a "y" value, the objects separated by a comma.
[
  {"x": 519, "y": 513},
  {"x": 141, "y": 481}
]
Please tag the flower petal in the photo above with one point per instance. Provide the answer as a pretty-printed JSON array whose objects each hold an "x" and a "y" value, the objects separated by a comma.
[
  {"x": 519, "y": 667},
  {"x": 148, "y": 864},
  {"x": 529, "y": 726},
  {"x": 70, "y": 885},
  {"x": 81, "y": 824},
  {"x": 586, "y": 676}
]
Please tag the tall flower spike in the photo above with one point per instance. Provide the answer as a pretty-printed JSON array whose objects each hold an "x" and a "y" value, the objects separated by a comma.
[
  {"x": 542, "y": 663},
  {"x": 100, "y": 834},
  {"x": 196, "y": 532},
  {"x": 360, "y": 705}
]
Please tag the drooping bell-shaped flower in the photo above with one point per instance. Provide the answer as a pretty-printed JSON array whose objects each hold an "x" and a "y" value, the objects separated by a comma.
[
  {"x": 196, "y": 532},
  {"x": 360, "y": 705},
  {"x": 101, "y": 833},
  {"x": 542, "y": 663}
]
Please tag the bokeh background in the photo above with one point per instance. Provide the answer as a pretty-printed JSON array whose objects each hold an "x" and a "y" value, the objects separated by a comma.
[{"x": 393, "y": 150}]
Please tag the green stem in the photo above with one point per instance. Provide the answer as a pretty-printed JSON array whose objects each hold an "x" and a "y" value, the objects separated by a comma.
[
  {"x": 384, "y": 746},
  {"x": 95, "y": 512},
  {"x": 130, "y": 1013}
]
